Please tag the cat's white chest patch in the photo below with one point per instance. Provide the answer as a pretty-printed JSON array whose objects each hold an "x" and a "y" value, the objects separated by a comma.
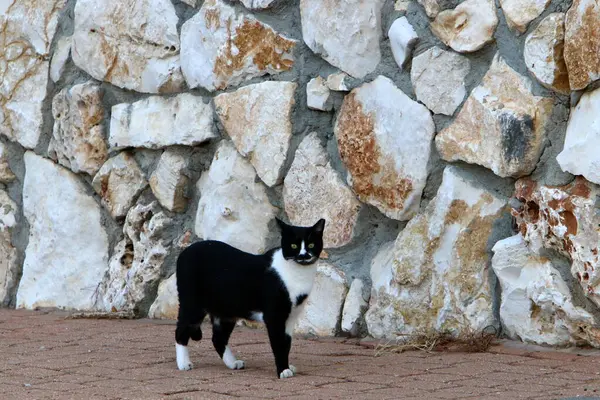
[{"x": 298, "y": 279}]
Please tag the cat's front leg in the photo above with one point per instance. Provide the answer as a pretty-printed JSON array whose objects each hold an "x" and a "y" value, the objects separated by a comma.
[{"x": 281, "y": 343}]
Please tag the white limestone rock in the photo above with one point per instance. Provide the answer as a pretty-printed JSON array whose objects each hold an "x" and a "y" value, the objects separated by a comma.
[
  {"x": 337, "y": 82},
  {"x": 580, "y": 154},
  {"x": 519, "y": 13},
  {"x": 6, "y": 174},
  {"x": 61, "y": 55},
  {"x": 118, "y": 183},
  {"x": 543, "y": 53},
  {"x": 313, "y": 190},
  {"x": 403, "y": 39},
  {"x": 432, "y": 7},
  {"x": 501, "y": 126},
  {"x": 257, "y": 4},
  {"x": 166, "y": 305},
  {"x": 28, "y": 27},
  {"x": 468, "y": 27},
  {"x": 434, "y": 277},
  {"x": 384, "y": 139},
  {"x": 169, "y": 181},
  {"x": 536, "y": 306},
  {"x": 138, "y": 261},
  {"x": 346, "y": 34},
  {"x": 233, "y": 207},
  {"x": 157, "y": 122},
  {"x": 132, "y": 44},
  {"x": 258, "y": 120},
  {"x": 78, "y": 140},
  {"x": 438, "y": 78},
  {"x": 324, "y": 304},
  {"x": 221, "y": 47},
  {"x": 191, "y": 3},
  {"x": 318, "y": 96},
  {"x": 8, "y": 253},
  {"x": 67, "y": 254},
  {"x": 355, "y": 306}
]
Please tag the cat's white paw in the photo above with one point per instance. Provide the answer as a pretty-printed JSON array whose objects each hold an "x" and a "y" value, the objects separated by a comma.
[
  {"x": 183, "y": 358},
  {"x": 230, "y": 360},
  {"x": 287, "y": 373},
  {"x": 185, "y": 366},
  {"x": 238, "y": 364},
  {"x": 293, "y": 369}
]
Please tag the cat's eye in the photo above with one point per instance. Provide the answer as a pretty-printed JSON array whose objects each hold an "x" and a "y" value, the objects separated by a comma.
[
  {"x": 311, "y": 245},
  {"x": 294, "y": 246}
]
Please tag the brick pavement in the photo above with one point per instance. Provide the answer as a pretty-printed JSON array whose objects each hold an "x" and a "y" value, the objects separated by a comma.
[{"x": 46, "y": 356}]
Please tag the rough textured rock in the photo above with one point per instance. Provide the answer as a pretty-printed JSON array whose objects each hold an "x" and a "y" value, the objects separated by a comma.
[
  {"x": 346, "y": 34},
  {"x": 543, "y": 53},
  {"x": 258, "y": 120},
  {"x": 432, "y": 7},
  {"x": 78, "y": 141},
  {"x": 221, "y": 47},
  {"x": 580, "y": 154},
  {"x": 324, "y": 305},
  {"x": 131, "y": 44},
  {"x": 384, "y": 140},
  {"x": 67, "y": 254},
  {"x": 582, "y": 43},
  {"x": 468, "y": 27},
  {"x": 537, "y": 306},
  {"x": 233, "y": 207},
  {"x": 157, "y": 122},
  {"x": 564, "y": 219},
  {"x": 169, "y": 182},
  {"x": 403, "y": 39},
  {"x": 166, "y": 305},
  {"x": 438, "y": 78},
  {"x": 6, "y": 174},
  {"x": 313, "y": 189},
  {"x": 355, "y": 306},
  {"x": 118, "y": 183},
  {"x": 8, "y": 253},
  {"x": 62, "y": 52},
  {"x": 25, "y": 42},
  {"x": 435, "y": 277},
  {"x": 318, "y": 96},
  {"x": 191, "y": 3},
  {"x": 257, "y": 4},
  {"x": 138, "y": 260},
  {"x": 519, "y": 13},
  {"x": 337, "y": 82},
  {"x": 501, "y": 126}
]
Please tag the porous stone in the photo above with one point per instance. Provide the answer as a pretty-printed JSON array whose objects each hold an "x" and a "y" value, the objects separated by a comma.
[
  {"x": 169, "y": 181},
  {"x": 438, "y": 78},
  {"x": 61, "y": 54},
  {"x": 67, "y": 253},
  {"x": 346, "y": 34},
  {"x": 324, "y": 304},
  {"x": 313, "y": 189},
  {"x": 543, "y": 53},
  {"x": 355, "y": 306},
  {"x": 8, "y": 253},
  {"x": 166, "y": 305},
  {"x": 337, "y": 82},
  {"x": 233, "y": 207},
  {"x": 221, "y": 47},
  {"x": 501, "y": 126},
  {"x": 403, "y": 39},
  {"x": 138, "y": 261},
  {"x": 132, "y": 44},
  {"x": 27, "y": 27},
  {"x": 432, "y": 7},
  {"x": 257, "y": 4},
  {"x": 519, "y": 13},
  {"x": 258, "y": 120},
  {"x": 468, "y": 27},
  {"x": 564, "y": 219},
  {"x": 582, "y": 43},
  {"x": 78, "y": 141},
  {"x": 118, "y": 183},
  {"x": 191, "y": 3},
  {"x": 434, "y": 278},
  {"x": 318, "y": 96},
  {"x": 6, "y": 174},
  {"x": 580, "y": 154},
  {"x": 384, "y": 139},
  {"x": 537, "y": 306},
  {"x": 157, "y": 122}
]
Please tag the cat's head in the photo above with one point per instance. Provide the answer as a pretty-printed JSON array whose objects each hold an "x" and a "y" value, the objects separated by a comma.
[{"x": 302, "y": 244}]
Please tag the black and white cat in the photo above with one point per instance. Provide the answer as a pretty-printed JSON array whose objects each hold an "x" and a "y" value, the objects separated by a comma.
[{"x": 228, "y": 284}]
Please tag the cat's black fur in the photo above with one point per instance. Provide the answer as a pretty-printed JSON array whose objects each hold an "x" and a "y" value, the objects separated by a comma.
[{"x": 229, "y": 284}]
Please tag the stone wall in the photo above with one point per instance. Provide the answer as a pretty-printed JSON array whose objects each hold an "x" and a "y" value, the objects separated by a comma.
[{"x": 441, "y": 140}]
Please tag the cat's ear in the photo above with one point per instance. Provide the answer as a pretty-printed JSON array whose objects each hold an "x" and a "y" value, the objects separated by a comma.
[
  {"x": 282, "y": 225},
  {"x": 319, "y": 226}
]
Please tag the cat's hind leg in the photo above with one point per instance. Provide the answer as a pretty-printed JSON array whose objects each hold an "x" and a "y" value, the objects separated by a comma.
[
  {"x": 222, "y": 329},
  {"x": 188, "y": 327}
]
